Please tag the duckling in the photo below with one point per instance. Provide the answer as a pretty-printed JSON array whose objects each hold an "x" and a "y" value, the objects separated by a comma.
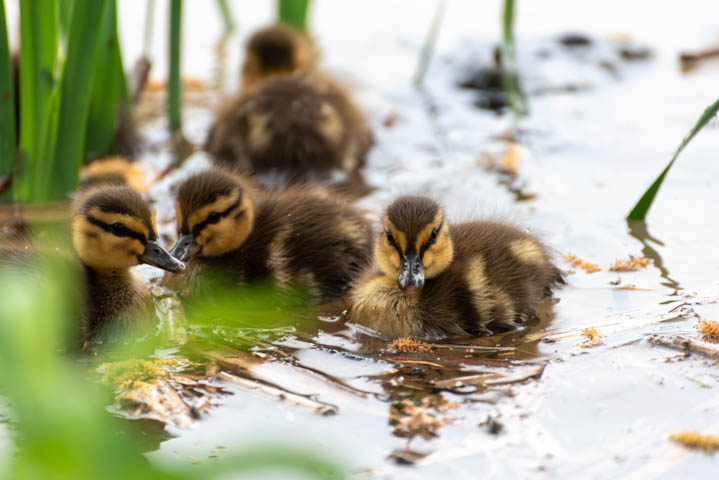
[
  {"x": 298, "y": 236},
  {"x": 113, "y": 229},
  {"x": 294, "y": 127},
  {"x": 432, "y": 279},
  {"x": 277, "y": 50},
  {"x": 113, "y": 170}
]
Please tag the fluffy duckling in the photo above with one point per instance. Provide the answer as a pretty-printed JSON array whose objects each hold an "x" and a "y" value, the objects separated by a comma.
[
  {"x": 297, "y": 236},
  {"x": 277, "y": 50},
  {"x": 113, "y": 229},
  {"x": 289, "y": 122},
  {"x": 432, "y": 279}
]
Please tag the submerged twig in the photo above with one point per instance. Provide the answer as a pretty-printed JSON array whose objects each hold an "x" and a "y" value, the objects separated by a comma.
[
  {"x": 687, "y": 345},
  {"x": 279, "y": 394}
]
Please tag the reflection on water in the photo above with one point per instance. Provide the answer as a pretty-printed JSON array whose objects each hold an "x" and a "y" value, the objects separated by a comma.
[{"x": 638, "y": 230}]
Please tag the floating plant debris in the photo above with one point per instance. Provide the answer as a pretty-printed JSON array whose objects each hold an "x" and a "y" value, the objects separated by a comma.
[
  {"x": 696, "y": 441},
  {"x": 709, "y": 330},
  {"x": 412, "y": 345},
  {"x": 630, "y": 265},
  {"x": 593, "y": 335},
  {"x": 126, "y": 374},
  {"x": 579, "y": 263}
]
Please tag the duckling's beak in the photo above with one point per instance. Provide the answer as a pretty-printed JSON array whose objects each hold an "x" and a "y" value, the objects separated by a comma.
[
  {"x": 411, "y": 275},
  {"x": 157, "y": 256},
  {"x": 184, "y": 247}
]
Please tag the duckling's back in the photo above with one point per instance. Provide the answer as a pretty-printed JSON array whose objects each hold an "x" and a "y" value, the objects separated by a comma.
[
  {"x": 294, "y": 126},
  {"x": 302, "y": 237},
  {"x": 500, "y": 274}
]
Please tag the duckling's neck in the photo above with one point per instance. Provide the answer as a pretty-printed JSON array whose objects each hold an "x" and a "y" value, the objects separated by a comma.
[{"x": 110, "y": 295}]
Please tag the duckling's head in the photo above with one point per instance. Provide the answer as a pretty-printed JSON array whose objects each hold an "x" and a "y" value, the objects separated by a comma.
[
  {"x": 113, "y": 229},
  {"x": 276, "y": 50},
  {"x": 414, "y": 244},
  {"x": 214, "y": 214}
]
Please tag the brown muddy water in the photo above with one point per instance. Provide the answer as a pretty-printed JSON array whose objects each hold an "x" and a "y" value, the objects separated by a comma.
[{"x": 537, "y": 403}]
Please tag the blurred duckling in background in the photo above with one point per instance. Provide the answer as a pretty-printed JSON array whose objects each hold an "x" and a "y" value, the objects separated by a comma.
[
  {"x": 292, "y": 128},
  {"x": 113, "y": 229},
  {"x": 114, "y": 170},
  {"x": 289, "y": 122},
  {"x": 434, "y": 280},
  {"x": 277, "y": 50},
  {"x": 299, "y": 236}
]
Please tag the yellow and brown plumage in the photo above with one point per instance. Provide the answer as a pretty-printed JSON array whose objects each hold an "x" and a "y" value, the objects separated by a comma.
[
  {"x": 288, "y": 122},
  {"x": 112, "y": 170},
  {"x": 432, "y": 279},
  {"x": 298, "y": 236},
  {"x": 113, "y": 230}
]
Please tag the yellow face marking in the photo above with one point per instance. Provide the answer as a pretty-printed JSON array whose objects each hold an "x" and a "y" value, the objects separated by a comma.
[
  {"x": 110, "y": 217},
  {"x": 259, "y": 135},
  {"x": 220, "y": 205},
  {"x": 103, "y": 251},
  {"x": 387, "y": 256},
  {"x": 528, "y": 251},
  {"x": 230, "y": 232},
  {"x": 438, "y": 256}
]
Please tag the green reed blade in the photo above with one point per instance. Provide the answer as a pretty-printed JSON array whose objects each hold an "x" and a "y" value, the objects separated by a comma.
[
  {"x": 293, "y": 12},
  {"x": 108, "y": 82},
  {"x": 175, "y": 94},
  {"x": 510, "y": 72},
  {"x": 639, "y": 212},
  {"x": 428, "y": 48},
  {"x": 226, "y": 15},
  {"x": 38, "y": 37},
  {"x": 68, "y": 143},
  {"x": 7, "y": 104}
]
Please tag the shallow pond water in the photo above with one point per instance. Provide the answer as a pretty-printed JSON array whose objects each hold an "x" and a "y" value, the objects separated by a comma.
[{"x": 524, "y": 406}]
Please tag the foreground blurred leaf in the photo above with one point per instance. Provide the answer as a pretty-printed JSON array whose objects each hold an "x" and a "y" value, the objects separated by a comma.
[
  {"x": 639, "y": 212},
  {"x": 510, "y": 72}
]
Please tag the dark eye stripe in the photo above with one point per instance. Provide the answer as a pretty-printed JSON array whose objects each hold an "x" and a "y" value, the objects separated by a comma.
[
  {"x": 198, "y": 228},
  {"x": 431, "y": 241},
  {"x": 108, "y": 229}
]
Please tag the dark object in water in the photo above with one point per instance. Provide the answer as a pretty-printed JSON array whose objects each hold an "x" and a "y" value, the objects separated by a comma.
[
  {"x": 632, "y": 53},
  {"x": 575, "y": 40},
  {"x": 484, "y": 78},
  {"x": 492, "y": 100}
]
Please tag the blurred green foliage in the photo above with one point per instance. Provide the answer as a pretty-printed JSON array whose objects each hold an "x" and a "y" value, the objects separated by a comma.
[
  {"x": 175, "y": 95},
  {"x": 62, "y": 429},
  {"x": 7, "y": 102},
  {"x": 510, "y": 74}
]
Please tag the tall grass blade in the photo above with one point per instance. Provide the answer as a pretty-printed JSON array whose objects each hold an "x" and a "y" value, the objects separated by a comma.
[
  {"x": 510, "y": 72},
  {"x": 38, "y": 55},
  {"x": 67, "y": 137},
  {"x": 293, "y": 12},
  {"x": 429, "y": 43},
  {"x": 175, "y": 96},
  {"x": 7, "y": 105},
  {"x": 226, "y": 15},
  {"x": 639, "y": 212},
  {"x": 109, "y": 88}
]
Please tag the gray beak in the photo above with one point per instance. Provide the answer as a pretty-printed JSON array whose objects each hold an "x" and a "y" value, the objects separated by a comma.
[
  {"x": 184, "y": 247},
  {"x": 411, "y": 275},
  {"x": 157, "y": 256}
]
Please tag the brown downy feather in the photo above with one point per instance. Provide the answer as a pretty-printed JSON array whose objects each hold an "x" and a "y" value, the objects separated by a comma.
[
  {"x": 114, "y": 170},
  {"x": 481, "y": 276},
  {"x": 299, "y": 236},
  {"x": 294, "y": 127}
]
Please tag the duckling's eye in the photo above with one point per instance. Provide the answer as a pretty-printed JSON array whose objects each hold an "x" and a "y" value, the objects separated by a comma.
[
  {"x": 433, "y": 236},
  {"x": 214, "y": 217},
  {"x": 390, "y": 238},
  {"x": 119, "y": 230}
]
